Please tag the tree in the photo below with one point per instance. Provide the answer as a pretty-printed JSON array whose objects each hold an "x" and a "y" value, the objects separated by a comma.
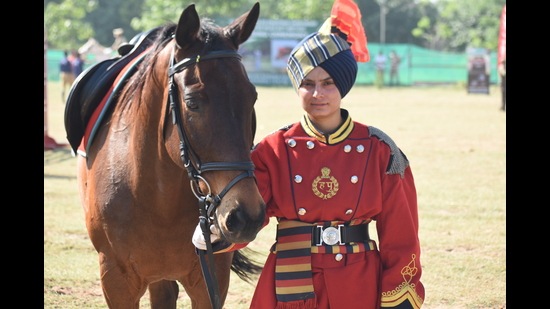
[
  {"x": 65, "y": 25},
  {"x": 447, "y": 25},
  {"x": 112, "y": 14},
  {"x": 162, "y": 11},
  {"x": 461, "y": 24}
]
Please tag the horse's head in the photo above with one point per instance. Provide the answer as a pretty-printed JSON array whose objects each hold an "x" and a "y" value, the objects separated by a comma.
[{"x": 212, "y": 101}]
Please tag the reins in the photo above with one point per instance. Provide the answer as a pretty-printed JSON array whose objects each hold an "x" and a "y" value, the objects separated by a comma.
[{"x": 207, "y": 202}]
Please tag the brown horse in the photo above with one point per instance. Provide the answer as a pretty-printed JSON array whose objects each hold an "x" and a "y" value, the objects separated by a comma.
[{"x": 179, "y": 132}]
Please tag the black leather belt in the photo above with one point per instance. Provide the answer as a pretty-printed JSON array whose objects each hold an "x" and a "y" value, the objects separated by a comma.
[{"x": 339, "y": 235}]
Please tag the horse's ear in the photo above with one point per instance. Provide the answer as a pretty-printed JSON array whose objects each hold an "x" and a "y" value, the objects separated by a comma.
[
  {"x": 187, "y": 31},
  {"x": 241, "y": 28}
]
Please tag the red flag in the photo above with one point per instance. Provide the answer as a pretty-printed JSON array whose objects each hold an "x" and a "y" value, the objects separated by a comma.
[
  {"x": 346, "y": 21},
  {"x": 501, "y": 55}
]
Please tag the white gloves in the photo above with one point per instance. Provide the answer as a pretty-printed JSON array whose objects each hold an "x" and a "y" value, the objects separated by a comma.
[{"x": 198, "y": 237}]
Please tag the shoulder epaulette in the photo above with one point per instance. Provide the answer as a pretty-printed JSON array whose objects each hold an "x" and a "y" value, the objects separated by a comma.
[
  {"x": 398, "y": 161},
  {"x": 286, "y": 127}
]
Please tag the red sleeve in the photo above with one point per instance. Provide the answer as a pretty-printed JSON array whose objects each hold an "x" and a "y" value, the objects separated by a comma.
[{"x": 399, "y": 245}]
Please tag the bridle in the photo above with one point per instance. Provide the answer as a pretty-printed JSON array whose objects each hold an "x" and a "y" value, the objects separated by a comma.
[{"x": 207, "y": 202}]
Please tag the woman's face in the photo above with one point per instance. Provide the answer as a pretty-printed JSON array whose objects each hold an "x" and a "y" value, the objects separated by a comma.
[{"x": 319, "y": 95}]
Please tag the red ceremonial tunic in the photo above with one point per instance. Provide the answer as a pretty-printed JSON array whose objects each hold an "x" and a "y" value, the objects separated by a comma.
[{"x": 354, "y": 174}]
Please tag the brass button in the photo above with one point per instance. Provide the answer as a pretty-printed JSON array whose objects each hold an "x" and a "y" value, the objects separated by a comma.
[
  {"x": 338, "y": 257},
  {"x": 310, "y": 145},
  {"x": 347, "y": 148},
  {"x": 298, "y": 178},
  {"x": 302, "y": 211}
]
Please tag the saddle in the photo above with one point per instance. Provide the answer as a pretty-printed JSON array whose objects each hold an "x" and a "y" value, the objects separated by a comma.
[{"x": 95, "y": 86}]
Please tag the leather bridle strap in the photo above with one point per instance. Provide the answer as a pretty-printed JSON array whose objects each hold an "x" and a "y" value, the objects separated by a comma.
[
  {"x": 210, "y": 55},
  {"x": 207, "y": 202}
]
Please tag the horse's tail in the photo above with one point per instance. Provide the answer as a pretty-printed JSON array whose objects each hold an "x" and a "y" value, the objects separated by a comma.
[{"x": 244, "y": 266}]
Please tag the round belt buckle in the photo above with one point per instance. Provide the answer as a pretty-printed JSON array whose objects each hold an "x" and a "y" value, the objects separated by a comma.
[{"x": 331, "y": 235}]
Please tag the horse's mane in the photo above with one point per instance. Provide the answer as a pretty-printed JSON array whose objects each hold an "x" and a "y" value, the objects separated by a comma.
[{"x": 137, "y": 81}]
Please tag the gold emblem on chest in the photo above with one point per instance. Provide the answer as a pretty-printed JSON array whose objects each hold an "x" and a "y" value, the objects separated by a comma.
[{"x": 325, "y": 186}]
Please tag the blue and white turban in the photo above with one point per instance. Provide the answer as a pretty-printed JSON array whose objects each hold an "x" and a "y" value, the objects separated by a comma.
[{"x": 327, "y": 50}]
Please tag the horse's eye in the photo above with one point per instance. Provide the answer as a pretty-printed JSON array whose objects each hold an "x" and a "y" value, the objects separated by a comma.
[
  {"x": 192, "y": 98},
  {"x": 191, "y": 102}
]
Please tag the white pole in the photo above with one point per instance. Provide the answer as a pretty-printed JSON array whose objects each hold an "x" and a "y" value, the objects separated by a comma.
[{"x": 49, "y": 143}]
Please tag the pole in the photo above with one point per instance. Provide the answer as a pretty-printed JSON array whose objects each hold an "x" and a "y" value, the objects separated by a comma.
[{"x": 383, "y": 12}]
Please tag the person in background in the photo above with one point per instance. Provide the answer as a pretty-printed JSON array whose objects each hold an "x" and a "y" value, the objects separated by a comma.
[
  {"x": 324, "y": 256},
  {"x": 120, "y": 39},
  {"x": 395, "y": 60},
  {"x": 65, "y": 74},
  {"x": 77, "y": 64},
  {"x": 380, "y": 64},
  {"x": 502, "y": 74}
]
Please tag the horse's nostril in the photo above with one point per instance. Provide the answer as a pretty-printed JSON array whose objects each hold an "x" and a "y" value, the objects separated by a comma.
[
  {"x": 236, "y": 221},
  {"x": 241, "y": 225}
]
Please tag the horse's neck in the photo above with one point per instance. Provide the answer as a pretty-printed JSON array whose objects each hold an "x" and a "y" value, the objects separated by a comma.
[{"x": 143, "y": 103}]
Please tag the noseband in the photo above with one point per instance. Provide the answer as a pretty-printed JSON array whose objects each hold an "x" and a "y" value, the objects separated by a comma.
[{"x": 207, "y": 202}]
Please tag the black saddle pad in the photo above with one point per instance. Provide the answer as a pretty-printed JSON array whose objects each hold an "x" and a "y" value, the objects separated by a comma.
[{"x": 92, "y": 85}]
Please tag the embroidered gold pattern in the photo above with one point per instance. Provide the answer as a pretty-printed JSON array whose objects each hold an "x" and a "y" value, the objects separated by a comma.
[
  {"x": 325, "y": 186},
  {"x": 406, "y": 290}
]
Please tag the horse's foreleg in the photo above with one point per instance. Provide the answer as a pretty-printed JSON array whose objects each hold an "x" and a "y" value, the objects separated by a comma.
[
  {"x": 122, "y": 288},
  {"x": 163, "y": 294},
  {"x": 195, "y": 285}
]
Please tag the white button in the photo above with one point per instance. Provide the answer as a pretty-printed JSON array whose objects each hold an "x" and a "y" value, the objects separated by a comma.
[
  {"x": 291, "y": 142},
  {"x": 298, "y": 178},
  {"x": 347, "y": 148},
  {"x": 354, "y": 179},
  {"x": 310, "y": 145},
  {"x": 338, "y": 257},
  {"x": 360, "y": 148},
  {"x": 302, "y": 211},
  {"x": 349, "y": 212}
]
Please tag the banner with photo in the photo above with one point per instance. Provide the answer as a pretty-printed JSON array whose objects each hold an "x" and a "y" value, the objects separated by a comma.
[
  {"x": 479, "y": 68},
  {"x": 266, "y": 52}
]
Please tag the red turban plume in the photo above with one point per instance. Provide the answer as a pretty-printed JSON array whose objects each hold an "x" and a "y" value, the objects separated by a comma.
[{"x": 345, "y": 19}]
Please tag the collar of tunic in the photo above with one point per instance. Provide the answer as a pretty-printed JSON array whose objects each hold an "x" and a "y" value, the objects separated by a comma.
[{"x": 341, "y": 133}]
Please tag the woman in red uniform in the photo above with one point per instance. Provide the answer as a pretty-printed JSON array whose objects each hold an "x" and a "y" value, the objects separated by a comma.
[{"x": 326, "y": 178}]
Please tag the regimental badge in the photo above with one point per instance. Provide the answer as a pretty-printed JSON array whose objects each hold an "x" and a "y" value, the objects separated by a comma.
[{"x": 325, "y": 186}]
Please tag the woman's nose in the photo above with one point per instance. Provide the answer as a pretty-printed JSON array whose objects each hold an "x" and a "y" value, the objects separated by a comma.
[{"x": 318, "y": 91}]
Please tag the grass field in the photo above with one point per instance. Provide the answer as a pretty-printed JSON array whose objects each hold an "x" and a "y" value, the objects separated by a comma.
[{"x": 456, "y": 144}]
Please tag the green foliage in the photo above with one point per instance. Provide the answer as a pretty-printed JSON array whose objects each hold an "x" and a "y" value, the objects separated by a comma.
[
  {"x": 453, "y": 25},
  {"x": 466, "y": 23},
  {"x": 65, "y": 25},
  {"x": 158, "y": 12},
  {"x": 111, "y": 14}
]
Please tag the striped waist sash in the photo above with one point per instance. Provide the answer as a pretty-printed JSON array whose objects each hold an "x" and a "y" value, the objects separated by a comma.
[{"x": 293, "y": 276}]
